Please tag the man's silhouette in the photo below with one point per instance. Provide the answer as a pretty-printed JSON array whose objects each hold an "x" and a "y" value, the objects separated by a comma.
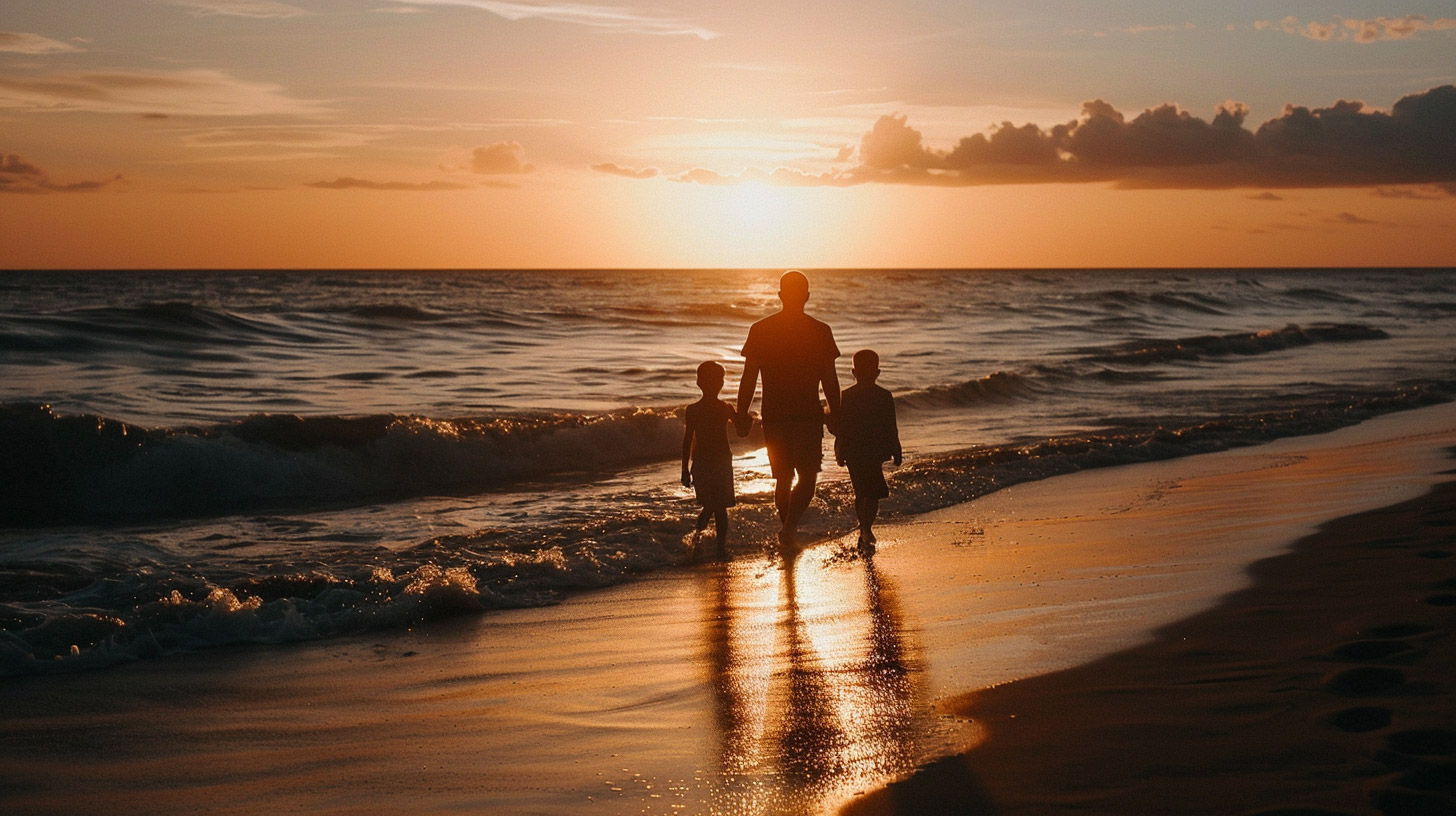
[{"x": 795, "y": 354}]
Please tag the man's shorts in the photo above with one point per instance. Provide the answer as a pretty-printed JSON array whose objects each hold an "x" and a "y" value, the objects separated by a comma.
[
  {"x": 868, "y": 478},
  {"x": 794, "y": 445}
]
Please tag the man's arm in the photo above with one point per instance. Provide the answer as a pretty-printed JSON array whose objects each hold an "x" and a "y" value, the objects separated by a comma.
[
  {"x": 829, "y": 378},
  {"x": 747, "y": 384}
]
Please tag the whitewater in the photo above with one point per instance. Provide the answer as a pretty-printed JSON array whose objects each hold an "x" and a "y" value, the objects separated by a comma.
[{"x": 203, "y": 458}]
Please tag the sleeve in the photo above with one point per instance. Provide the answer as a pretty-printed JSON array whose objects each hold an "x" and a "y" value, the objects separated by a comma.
[
  {"x": 752, "y": 342},
  {"x": 831, "y": 350}
]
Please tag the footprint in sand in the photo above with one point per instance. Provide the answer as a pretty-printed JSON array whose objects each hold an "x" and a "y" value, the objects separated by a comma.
[
  {"x": 1365, "y": 681},
  {"x": 1371, "y": 651},
  {"x": 1360, "y": 719}
]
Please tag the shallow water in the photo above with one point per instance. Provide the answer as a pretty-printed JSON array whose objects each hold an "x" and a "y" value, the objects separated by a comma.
[{"x": 273, "y": 456}]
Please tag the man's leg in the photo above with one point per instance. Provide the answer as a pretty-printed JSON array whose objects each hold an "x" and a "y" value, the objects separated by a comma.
[
  {"x": 799, "y": 499},
  {"x": 783, "y": 491}
]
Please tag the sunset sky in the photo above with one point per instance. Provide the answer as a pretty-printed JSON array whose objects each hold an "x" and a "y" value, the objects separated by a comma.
[{"x": 668, "y": 133}]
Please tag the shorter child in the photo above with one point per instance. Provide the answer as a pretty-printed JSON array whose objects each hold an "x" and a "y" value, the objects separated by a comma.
[
  {"x": 705, "y": 446},
  {"x": 866, "y": 436}
]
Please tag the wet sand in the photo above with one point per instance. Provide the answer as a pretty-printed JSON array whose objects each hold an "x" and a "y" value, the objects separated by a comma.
[
  {"x": 1325, "y": 688},
  {"x": 757, "y": 688}
]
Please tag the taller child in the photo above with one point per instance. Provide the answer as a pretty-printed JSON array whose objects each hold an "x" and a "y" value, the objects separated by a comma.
[{"x": 795, "y": 354}]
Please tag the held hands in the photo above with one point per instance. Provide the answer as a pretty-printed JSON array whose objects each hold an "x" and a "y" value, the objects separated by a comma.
[
  {"x": 743, "y": 422},
  {"x": 687, "y": 477},
  {"x": 898, "y": 459}
]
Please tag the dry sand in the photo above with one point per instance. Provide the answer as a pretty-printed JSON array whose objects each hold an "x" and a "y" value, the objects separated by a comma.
[{"x": 750, "y": 688}]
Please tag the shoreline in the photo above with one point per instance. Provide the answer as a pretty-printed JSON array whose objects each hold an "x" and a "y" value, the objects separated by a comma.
[
  {"x": 742, "y": 688},
  {"x": 1323, "y": 688}
]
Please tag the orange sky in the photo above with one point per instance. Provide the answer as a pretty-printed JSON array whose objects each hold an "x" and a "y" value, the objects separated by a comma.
[{"x": 476, "y": 133}]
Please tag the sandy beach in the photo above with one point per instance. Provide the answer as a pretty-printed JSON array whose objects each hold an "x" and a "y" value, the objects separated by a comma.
[{"x": 1091, "y": 643}]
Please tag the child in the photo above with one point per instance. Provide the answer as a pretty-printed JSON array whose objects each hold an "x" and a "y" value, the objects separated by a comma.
[
  {"x": 866, "y": 437},
  {"x": 705, "y": 444}
]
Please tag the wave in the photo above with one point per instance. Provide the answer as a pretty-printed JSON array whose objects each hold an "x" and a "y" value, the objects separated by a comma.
[
  {"x": 169, "y": 325},
  {"x": 997, "y": 387},
  {"x": 1096, "y": 363},
  {"x": 1239, "y": 343},
  {"x": 62, "y": 614},
  {"x": 86, "y": 468}
]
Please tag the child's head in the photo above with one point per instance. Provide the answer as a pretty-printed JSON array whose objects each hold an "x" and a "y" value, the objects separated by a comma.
[
  {"x": 710, "y": 378},
  {"x": 866, "y": 366}
]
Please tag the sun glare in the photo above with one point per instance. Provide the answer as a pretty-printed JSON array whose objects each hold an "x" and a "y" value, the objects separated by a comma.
[{"x": 756, "y": 210}]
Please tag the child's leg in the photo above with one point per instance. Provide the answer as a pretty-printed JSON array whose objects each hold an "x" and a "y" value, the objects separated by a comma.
[
  {"x": 720, "y": 525},
  {"x": 867, "y": 518},
  {"x": 703, "y": 520}
]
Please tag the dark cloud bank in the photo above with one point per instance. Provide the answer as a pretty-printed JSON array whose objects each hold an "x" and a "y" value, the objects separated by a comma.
[
  {"x": 1345, "y": 145},
  {"x": 20, "y": 176}
]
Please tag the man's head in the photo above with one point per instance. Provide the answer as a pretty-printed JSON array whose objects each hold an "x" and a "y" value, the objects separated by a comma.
[
  {"x": 866, "y": 366},
  {"x": 794, "y": 289}
]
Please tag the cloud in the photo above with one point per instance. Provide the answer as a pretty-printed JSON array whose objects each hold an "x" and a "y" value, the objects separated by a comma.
[
  {"x": 782, "y": 176},
  {"x": 1346, "y": 144},
  {"x": 351, "y": 183},
  {"x": 614, "y": 19},
  {"x": 19, "y": 42},
  {"x": 627, "y": 172},
  {"x": 20, "y": 176},
  {"x": 501, "y": 158},
  {"x": 191, "y": 92},
  {"x": 1346, "y": 29},
  {"x": 257, "y": 9},
  {"x": 1352, "y": 219},
  {"x": 1134, "y": 30},
  {"x": 1433, "y": 192},
  {"x": 283, "y": 136}
]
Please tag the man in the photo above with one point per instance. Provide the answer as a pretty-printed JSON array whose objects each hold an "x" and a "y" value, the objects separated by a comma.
[{"x": 795, "y": 354}]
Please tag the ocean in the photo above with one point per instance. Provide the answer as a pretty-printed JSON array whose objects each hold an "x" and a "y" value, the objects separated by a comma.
[{"x": 202, "y": 458}]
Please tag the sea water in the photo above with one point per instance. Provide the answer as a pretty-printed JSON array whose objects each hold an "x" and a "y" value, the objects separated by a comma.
[{"x": 200, "y": 458}]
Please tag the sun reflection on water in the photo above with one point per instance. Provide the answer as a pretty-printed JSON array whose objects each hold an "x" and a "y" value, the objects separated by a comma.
[{"x": 819, "y": 692}]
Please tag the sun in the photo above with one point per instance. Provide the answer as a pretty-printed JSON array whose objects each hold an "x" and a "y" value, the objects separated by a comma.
[{"x": 756, "y": 210}]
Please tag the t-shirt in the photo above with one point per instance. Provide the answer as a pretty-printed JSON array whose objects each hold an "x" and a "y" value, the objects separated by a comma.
[
  {"x": 867, "y": 430},
  {"x": 793, "y": 350},
  {"x": 709, "y": 423}
]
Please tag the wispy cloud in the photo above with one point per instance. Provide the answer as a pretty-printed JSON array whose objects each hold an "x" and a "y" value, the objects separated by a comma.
[
  {"x": 782, "y": 176},
  {"x": 194, "y": 93},
  {"x": 1433, "y": 192},
  {"x": 1347, "y": 29},
  {"x": 608, "y": 18},
  {"x": 1134, "y": 30},
  {"x": 20, "y": 176},
  {"x": 351, "y": 183},
  {"x": 257, "y": 9},
  {"x": 284, "y": 136},
  {"x": 500, "y": 159},
  {"x": 20, "y": 42},
  {"x": 613, "y": 169}
]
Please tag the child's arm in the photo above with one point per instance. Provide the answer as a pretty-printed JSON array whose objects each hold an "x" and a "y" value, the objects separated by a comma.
[
  {"x": 687, "y": 450},
  {"x": 895, "y": 434}
]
